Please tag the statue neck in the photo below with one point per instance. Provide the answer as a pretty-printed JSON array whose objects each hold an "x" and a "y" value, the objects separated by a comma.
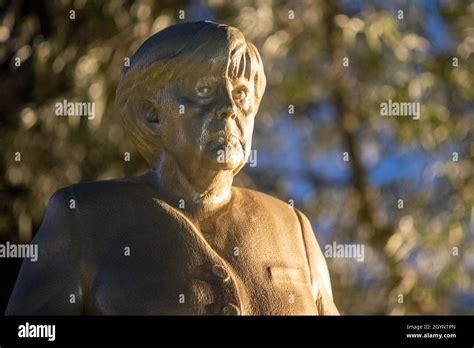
[{"x": 201, "y": 190}]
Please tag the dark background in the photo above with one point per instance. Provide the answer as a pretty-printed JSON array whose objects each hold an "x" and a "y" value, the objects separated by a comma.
[{"x": 408, "y": 250}]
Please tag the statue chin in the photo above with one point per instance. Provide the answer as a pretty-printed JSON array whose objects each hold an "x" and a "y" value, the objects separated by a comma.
[{"x": 224, "y": 157}]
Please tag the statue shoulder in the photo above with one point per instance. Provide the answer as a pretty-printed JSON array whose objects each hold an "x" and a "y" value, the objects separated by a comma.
[
  {"x": 102, "y": 191},
  {"x": 95, "y": 198},
  {"x": 265, "y": 201}
]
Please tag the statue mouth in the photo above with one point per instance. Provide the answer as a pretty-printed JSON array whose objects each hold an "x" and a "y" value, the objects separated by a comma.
[
  {"x": 227, "y": 138},
  {"x": 226, "y": 147}
]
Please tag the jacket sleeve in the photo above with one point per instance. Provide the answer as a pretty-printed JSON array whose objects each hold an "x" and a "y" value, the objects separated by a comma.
[
  {"x": 51, "y": 285},
  {"x": 320, "y": 281}
]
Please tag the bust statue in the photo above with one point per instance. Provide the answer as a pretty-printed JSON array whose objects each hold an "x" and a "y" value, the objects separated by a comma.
[{"x": 180, "y": 239}]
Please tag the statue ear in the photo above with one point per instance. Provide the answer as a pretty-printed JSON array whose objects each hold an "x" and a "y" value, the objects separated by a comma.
[{"x": 150, "y": 115}]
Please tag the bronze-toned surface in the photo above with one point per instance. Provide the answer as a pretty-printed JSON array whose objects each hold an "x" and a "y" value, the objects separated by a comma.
[{"x": 179, "y": 239}]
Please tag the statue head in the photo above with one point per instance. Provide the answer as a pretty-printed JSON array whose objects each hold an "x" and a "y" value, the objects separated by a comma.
[{"x": 192, "y": 90}]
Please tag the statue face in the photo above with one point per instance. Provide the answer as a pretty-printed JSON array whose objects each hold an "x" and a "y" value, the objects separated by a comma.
[
  {"x": 192, "y": 91},
  {"x": 208, "y": 121}
]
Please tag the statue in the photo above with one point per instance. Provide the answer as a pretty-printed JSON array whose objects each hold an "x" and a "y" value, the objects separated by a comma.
[{"x": 179, "y": 239}]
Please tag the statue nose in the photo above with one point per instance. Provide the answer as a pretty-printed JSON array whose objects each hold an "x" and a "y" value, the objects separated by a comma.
[{"x": 225, "y": 112}]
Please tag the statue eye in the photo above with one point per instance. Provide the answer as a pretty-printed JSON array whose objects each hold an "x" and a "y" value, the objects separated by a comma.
[
  {"x": 204, "y": 91},
  {"x": 240, "y": 93}
]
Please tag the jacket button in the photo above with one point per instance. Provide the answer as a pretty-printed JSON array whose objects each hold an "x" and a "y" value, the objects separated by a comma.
[
  {"x": 220, "y": 272},
  {"x": 230, "y": 309}
]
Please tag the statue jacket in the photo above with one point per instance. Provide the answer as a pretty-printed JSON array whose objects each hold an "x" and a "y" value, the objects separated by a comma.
[{"x": 115, "y": 248}]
